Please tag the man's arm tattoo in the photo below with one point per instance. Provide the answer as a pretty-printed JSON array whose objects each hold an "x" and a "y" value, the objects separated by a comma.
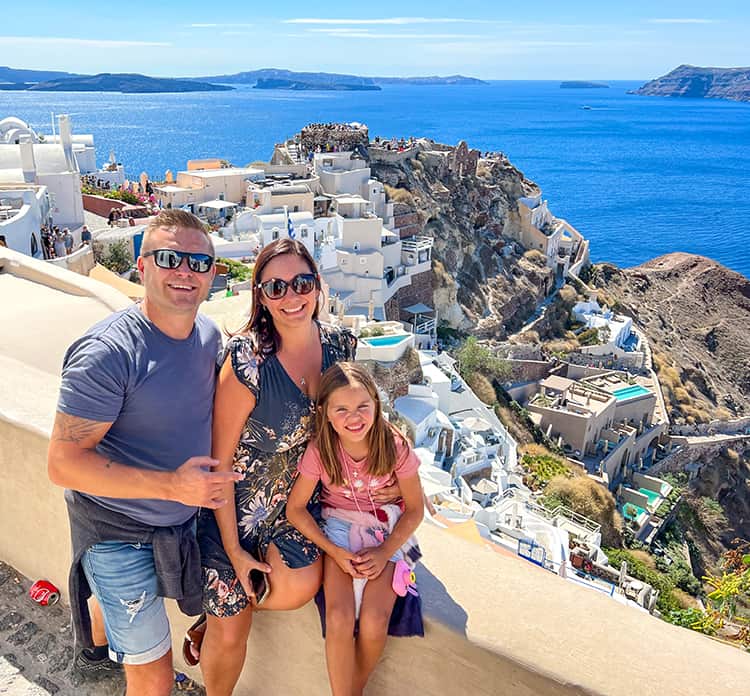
[{"x": 73, "y": 429}]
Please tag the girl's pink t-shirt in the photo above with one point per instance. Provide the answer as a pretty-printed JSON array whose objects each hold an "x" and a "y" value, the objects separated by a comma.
[{"x": 353, "y": 495}]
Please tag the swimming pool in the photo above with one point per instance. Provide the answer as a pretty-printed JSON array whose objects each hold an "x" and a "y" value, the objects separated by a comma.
[
  {"x": 630, "y": 392},
  {"x": 627, "y": 508},
  {"x": 652, "y": 496},
  {"x": 385, "y": 340}
]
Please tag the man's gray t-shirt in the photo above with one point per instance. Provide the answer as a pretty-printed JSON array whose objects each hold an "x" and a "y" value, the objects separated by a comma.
[{"x": 155, "y": 390}]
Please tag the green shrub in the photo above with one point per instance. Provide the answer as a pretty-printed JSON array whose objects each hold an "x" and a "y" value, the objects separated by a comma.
[
  {"x": 237, "y": 271},
  {"x": 543, "y": 468},
  {"x": 589, "y": 337},
  {"x": 117, "y": 258},
  {"x": 371, "y": 331},
  {"x": 473, "y": 357}
]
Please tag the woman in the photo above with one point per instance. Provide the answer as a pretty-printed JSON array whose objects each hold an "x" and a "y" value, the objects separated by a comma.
[{"x": 263, "y": 417}]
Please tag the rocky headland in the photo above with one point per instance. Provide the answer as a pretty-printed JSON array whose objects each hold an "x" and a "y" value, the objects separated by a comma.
[
  {"x": 696, "y": 315},
  {"x": 696, "y": 82},
  {"x": 484, "y": 282}
]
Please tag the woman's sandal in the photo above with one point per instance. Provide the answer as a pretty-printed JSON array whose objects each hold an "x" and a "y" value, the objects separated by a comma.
[{"x": 191, "y": 645}]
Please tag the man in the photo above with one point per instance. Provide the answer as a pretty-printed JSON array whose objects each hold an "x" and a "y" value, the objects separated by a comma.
[
  {"x": 131, "y": 442},
  {"x": 68, "y": 241},
  {"x": 85, "y": 235}
]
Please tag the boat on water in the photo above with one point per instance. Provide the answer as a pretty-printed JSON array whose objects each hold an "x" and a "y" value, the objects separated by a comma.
[{"x": 586, "y": 107}]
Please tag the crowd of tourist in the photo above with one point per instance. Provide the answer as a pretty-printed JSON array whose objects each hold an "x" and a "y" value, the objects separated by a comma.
[
  {"x": 57, "y": 243},
  {"x": 395, "y": 144},
  {"x": 93, "y": 181},
  {"x": 332, "y": 137}
]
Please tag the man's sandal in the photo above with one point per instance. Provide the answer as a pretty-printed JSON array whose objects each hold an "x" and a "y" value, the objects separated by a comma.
[{"x": 191, "y": 645}]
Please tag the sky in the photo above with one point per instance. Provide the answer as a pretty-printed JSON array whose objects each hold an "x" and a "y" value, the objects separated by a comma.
[{"x": 544, "y": 39}]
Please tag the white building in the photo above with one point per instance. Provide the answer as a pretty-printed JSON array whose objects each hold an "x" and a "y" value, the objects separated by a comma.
[
  {"x": 27, "y": 158},
  {"x": 24, "y": 208},
  {"x": 196, "y": 186},
  {"x": 615, "y": 330},
  {"x": 370, "y": 263},
  {"x": 346, "y": 173}
]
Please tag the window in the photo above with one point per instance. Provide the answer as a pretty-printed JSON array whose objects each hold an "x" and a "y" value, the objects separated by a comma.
[
  {"x": 362, "y": 261},
  {"x": 34, "y": 245},
  {"x": 303, "y": 232},
  {"x": 275, "y": 233},
  {"x": 355, "y": 246}
]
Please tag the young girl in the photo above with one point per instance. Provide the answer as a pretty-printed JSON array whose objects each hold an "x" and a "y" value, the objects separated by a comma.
[{"x": 355, "y": 452}]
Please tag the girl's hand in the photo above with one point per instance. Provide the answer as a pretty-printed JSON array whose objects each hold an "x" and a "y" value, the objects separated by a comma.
[
  {"x": 243, "y": 563},
  {"x": 371, "y": 562},
  {"x": 345, "y": 560}
]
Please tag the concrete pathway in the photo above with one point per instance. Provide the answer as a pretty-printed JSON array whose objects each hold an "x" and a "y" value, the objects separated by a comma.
[{"x": 36, "y": 649}]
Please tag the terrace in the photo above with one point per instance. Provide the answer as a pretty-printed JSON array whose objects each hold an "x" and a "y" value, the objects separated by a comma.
[{"x": 490, "y": 618}]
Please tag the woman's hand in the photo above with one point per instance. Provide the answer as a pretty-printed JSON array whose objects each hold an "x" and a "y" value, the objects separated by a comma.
[
  {"x": 243, "y": 563},
  {"x": 371, "y": 562},
  {"x": 345, "y": 560},
  {"x": 387, "y": 494}
]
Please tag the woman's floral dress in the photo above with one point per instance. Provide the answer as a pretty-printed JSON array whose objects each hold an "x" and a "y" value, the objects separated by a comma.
[{"x": 272, "y": 441}]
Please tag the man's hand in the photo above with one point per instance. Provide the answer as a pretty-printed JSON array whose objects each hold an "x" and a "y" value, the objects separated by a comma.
[{"x": 195, "y": 484}]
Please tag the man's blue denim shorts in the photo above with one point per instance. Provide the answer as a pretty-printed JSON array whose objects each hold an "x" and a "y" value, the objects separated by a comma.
[{"x": 122, "y": 577}]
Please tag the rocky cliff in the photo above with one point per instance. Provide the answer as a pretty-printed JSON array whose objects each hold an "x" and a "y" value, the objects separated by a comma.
[
  {"x": 483, "y": 282},
  {"x": 691, "y": 81},
  {"x": 696, "y": 314}
]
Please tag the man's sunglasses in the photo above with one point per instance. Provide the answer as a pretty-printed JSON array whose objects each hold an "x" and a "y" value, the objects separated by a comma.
[
  {"x": 302, "y": 284},
  {"x": 171, "y": 259}
]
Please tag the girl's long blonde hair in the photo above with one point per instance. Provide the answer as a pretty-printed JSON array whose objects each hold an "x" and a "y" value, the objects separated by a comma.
[{"x": 381, "y": 440}]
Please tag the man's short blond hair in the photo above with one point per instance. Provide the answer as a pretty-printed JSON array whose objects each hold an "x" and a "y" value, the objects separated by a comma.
[{"x": 176, "y": 218}]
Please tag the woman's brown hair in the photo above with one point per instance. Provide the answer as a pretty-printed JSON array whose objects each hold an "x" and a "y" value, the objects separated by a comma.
[
  {"x": 260, "y": 325},
  {"x": 381, "y": 440}
]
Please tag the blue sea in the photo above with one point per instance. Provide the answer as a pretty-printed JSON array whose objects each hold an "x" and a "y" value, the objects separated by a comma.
[{"x": 638, "y": 176}]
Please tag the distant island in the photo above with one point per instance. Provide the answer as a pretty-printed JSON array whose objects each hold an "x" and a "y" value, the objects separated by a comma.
[
  {"x": 334, "y": 81},
  {"x": 279, "y": 83},
  {"x": 582, "y": 84},
  {"x": 432, "y": 80},
  {"x": 24, "y": 77},
  {"x": 265, "y": 78},
  {"x": 127, "y": 83},
  {"x": 700, "y": 83}
]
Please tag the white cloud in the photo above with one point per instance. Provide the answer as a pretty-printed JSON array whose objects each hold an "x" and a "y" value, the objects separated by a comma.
[
  {"x": 681, "y": 20},
  {"x": 386, "y": 20},
  {"x": 15, "y": 41},
  {"x": 367, "y": 34},
  {"x": 233, "y": 25}
]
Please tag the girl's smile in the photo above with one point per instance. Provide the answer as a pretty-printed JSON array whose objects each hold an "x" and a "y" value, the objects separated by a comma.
[{"x": 351, "y": 412}]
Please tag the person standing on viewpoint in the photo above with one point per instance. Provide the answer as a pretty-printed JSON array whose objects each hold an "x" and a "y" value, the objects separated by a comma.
[{"x": 131, "y": 443}]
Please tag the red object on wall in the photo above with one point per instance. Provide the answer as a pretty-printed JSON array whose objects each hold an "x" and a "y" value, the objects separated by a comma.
[{"x": 44, "y": 592}]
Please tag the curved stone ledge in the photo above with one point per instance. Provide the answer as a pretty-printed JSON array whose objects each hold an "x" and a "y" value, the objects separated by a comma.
[{"x": 494, "y": 623}]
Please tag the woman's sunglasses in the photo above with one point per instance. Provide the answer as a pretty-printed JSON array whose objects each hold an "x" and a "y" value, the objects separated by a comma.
[
  {"x": 171, "y": 259},
  {"x": 302, "y": 284}
]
